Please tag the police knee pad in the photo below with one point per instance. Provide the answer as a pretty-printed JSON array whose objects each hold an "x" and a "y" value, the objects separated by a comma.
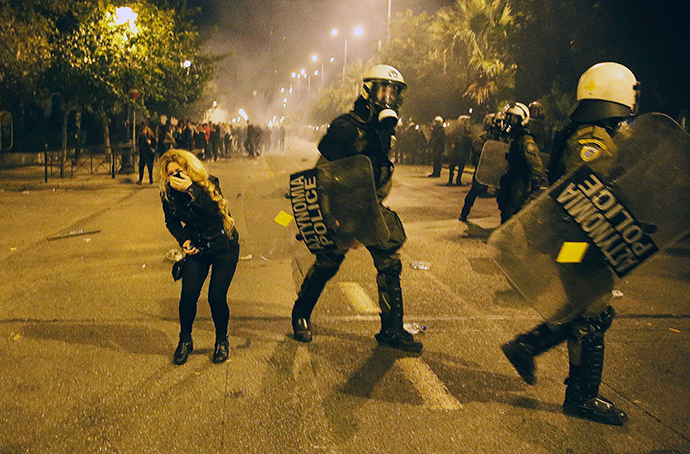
[
  {"x": 588, "y": 326},
  {"x": 392, "y": 269},
  {"x": 600, "y": 323}
]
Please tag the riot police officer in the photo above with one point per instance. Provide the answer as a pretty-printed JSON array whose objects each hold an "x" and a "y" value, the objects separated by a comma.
[
  {"x": 369, "y": 129},
  {"x": 540, "y": 128},
  {"x": 525, "y": 174},
  {"x": 437, "y": 144},
  {"x": 606, "y": 98}
]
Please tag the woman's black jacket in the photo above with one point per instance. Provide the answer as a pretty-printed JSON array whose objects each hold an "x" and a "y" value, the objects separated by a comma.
[{"x": 193, "y": 215}]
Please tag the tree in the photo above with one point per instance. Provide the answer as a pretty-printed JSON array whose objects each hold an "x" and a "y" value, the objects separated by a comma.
[
  {"x": 93, "y": 53},
  {"x": 455, "y": 60},
  {"x": 475, "y": 35},
  {"x": 27, "y": 44},
  {"x": 115, "y": 50}
]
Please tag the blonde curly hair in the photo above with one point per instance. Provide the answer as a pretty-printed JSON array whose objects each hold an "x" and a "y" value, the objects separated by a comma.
[{"x": 197, "y": 172}]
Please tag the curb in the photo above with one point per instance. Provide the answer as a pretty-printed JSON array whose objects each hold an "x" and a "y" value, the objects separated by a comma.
[{"x": 64, "y": 183}]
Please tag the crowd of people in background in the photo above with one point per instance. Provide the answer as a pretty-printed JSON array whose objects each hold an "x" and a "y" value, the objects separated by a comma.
[
  {"x": 207, "y": 140},
  {"x": 455, "y": 143}
]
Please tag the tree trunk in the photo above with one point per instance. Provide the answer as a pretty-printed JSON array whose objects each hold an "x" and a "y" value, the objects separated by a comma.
[
  {"x": 106, "y": 132},
  {"x": 63, "y": 153}
]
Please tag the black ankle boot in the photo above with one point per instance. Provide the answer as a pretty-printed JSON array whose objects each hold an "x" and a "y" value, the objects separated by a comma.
[
  {"x": 302, "y": 329},
  {"x": 184, "y": 348},
  {"x": 309, "y": 293},
  {"x": 582, "y": 397},
  {"x": 392, "y": 333},
  {"x": 220, "y": 350},
  {"x": 522, "y": 350},
  {"x": 399, "y": 339}
]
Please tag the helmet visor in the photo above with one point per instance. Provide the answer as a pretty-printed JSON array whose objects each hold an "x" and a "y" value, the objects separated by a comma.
[{"x": 386, "y": 94}]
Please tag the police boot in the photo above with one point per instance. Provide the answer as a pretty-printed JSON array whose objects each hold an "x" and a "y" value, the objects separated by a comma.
[
  {"x": 582, "y": 397},
  {"x": 392, "y": 333},
  {"x": 309, "y": 293},
  {"x": 522, "y": 350},
  {"x": 463, "y": 214}
]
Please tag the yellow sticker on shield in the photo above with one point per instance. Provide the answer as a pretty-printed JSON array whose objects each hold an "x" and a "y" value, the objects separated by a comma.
[
  {"x": 572, "y": 252},
  {"x": 283, "y": 218}
]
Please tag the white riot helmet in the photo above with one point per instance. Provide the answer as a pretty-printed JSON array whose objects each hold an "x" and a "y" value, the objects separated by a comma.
[
  {"x": 383, "y": 86},
  {"x": 606, "y": 90},
  {"x": 520, "y": 113}
]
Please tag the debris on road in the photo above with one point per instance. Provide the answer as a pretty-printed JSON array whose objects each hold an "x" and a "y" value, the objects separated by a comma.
[
  {"x": 72, "y": 233},
  {"x": 420, "y": 265},
  {"x": 174, "y": 255}
]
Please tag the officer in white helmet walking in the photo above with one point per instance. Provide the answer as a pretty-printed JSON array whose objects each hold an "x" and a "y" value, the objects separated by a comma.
[{"x": 607, "y": 97}]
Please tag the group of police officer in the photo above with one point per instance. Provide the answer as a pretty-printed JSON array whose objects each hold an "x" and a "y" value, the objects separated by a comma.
[{"x": 606, "y": 99}]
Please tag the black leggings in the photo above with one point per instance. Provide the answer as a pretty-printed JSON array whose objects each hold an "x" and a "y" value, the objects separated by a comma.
[{"x": 194, "y": 275}]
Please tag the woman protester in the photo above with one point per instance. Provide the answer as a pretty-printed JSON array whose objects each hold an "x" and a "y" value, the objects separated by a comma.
[{"x": 197, "y": 215}]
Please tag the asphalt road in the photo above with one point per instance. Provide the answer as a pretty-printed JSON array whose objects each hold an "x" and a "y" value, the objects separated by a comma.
[{"x": 88, "y": 324}]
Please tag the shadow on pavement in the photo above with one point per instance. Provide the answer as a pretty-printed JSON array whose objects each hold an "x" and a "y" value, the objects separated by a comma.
[{"x": 132, "y": 339}]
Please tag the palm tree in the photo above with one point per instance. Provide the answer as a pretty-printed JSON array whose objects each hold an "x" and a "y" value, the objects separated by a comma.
[{"x": 475, "y": 34}]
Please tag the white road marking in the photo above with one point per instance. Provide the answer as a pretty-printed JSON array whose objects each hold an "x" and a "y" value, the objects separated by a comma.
[
  {"x": 435, "y": 394},
  {"x": 358, "y": 298}
]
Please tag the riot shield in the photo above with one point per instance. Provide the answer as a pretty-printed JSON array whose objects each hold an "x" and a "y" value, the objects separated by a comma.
[
  {"x": 565, "y": 249},
  {"x": 335, "y": 204},
  {"x": 492, "y": 163},
  {"x": 268, "y": 233}
]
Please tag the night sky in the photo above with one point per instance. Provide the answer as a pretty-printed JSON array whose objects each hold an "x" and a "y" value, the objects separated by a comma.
[{"x": 268, "y": 40}]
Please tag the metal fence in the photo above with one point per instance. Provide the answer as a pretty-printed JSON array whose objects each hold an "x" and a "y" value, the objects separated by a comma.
[{"x": 92, "y": 160}]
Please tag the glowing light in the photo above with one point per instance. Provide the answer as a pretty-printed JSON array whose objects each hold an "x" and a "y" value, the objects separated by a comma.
[
  {"x": 126, "y": 15},
  {"x": 358, "y": 31},
  {"x": 186, "y": 64},
  {"x": 243, "y": 114}
]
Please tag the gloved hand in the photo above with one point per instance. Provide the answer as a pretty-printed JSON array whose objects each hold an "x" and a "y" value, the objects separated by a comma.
[{"x": 536, "y": 193}]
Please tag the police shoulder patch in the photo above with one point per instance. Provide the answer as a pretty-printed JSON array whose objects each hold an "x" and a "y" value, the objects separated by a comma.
[{"x": 591, "y": 149}]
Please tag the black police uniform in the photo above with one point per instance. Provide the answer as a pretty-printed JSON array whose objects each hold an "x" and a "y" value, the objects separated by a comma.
[
  {"x": 524, "y": 176},
  {"x": 360, "y": 132}
]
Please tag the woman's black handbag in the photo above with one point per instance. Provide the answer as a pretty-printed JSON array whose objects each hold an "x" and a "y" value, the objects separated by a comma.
[{"x": 178, "y": 267}]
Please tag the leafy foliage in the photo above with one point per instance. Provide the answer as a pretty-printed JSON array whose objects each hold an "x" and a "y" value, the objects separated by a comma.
[
  {"x": 108, "y": 59},
  {"x": 101, "y": 55},
  {"x": 452, "y": 61}
]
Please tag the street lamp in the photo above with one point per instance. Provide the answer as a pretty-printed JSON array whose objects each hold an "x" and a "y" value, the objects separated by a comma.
[
  {"x": 126, "y": 15},
  {"x": 388, "y": 24},
  {"x": 297, "y": 76},
  {"x": 357, "y": 32},
  {"x": 315, "y": 58}
]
